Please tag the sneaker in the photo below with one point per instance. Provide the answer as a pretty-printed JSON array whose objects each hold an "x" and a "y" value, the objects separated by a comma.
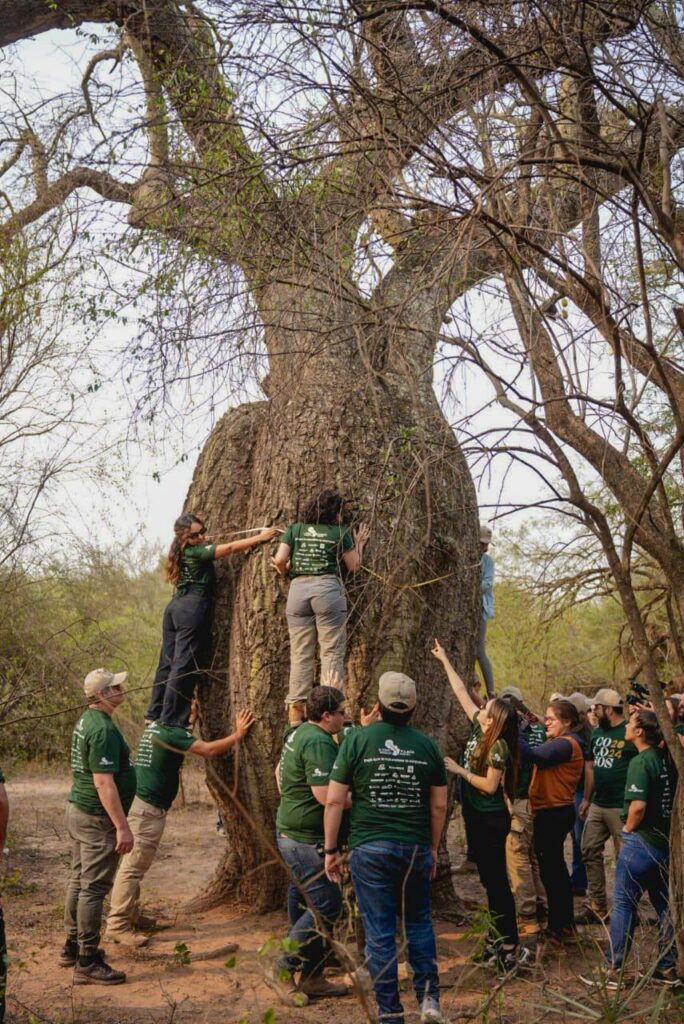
[
  {"x": 605, "y": 979},
  {"x": 487, "y": 954},
  {"x": 430, "y": 1012},
  {"x": 510, "y": 962},
  {"x": 99, "y": 972},
  {"x": 127, "y": 937},
  {"x": 667, "y": 976},
  {"x": 69, "y": 954},
  {"x": 283, "y": 984},
  {"x": 318, "y": 987}
]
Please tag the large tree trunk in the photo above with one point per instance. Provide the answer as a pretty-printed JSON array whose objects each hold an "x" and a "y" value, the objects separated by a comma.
[{"x": 384, "y": 443}]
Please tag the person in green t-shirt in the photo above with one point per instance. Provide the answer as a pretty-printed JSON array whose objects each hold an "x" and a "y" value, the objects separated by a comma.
[
  {"x": 489, "y": 769},
  {"x": 158, "y": 763},
  {"x": 643, "y": 864},
  {"x": 101, "y": 794},
  {"x": 312, "y": 553},
  {"x": 187, "y": 616},
  {"x": 604, "y": 786},
  {"x": 314, "y": 903},
  {"x": 521, "y": 861},
  {"x": 397, "y": 781}
]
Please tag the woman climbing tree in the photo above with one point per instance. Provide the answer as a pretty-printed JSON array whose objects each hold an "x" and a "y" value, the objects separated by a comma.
[
  {"x": 311, "y": 553},
  {"x": 185, "y": 627}
]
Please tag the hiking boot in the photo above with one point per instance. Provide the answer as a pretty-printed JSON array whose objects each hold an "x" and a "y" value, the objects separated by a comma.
[
  {"x": 592, "y": 914},
  {"x": 318, "y": 987},
  {"x": 283, "y": 984},
  {"x": 558, "y": 940},
  {"x": 296, "y": 712},
  {"x": 98, "y": 972},
  {"x": 127, "y": 937},
  {"x": 69, "y": 954},
  {"x": 528, "y": 926},
  {"x": 430, "y": 1012}
]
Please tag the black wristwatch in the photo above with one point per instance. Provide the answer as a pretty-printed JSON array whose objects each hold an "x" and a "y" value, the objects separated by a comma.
[{"x": 333, "y": 849}]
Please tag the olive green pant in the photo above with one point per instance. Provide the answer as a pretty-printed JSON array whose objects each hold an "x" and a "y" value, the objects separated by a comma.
[
  {"x": 523, "y": 869},
  {"x": 147, "y": 825},
  {"x": 93, "y": 865},
  {"x": 602, "y": 824}
]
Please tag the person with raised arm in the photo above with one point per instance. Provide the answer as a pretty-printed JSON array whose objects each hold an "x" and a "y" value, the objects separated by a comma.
[
  {"x": 187, "y": 616},
  {"x": 489, "y": 771}
]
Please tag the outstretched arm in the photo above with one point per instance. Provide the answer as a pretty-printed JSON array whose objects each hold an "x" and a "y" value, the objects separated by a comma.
[
  {"x": 215, "y": 748},
  {"x": 455, "y": 681},
  {"x": 247, "y": 542}
]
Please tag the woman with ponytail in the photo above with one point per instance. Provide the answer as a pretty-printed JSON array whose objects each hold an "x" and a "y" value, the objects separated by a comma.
[
  {"x": 185, "y": 627},
  {"x": 489, "y": 774},
  {"x": 643, "y": 864}
]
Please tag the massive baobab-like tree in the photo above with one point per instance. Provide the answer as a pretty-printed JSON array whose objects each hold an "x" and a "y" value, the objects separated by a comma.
[{"x": 334, "y": 158}]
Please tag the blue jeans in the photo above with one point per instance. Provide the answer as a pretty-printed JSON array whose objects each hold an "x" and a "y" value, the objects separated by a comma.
[
  {"x": 578, "y": 875},
  {"x": 640, "y": 867},
  {"x": 392, "y": 881},
  {"x": 309, "y": 918}
]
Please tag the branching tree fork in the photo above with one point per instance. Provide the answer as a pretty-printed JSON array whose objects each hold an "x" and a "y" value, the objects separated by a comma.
[{"x": 364, "y": 167}]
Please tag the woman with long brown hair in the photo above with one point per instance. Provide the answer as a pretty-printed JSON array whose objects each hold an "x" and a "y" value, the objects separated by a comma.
[
  {"x": 185, "y": 627},
  {"x": 489, "y": 771},
  {"x": 558, "y": 766}
]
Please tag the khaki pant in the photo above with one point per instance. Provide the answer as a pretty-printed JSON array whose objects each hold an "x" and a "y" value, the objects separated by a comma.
[
  {"x": 316, "y": 610},
  {"x": 602, "y": 823},
  {"x": 93, "y": 864},
  {"x": 521, "y": 862},
  {"x": 147, "y": 825}
]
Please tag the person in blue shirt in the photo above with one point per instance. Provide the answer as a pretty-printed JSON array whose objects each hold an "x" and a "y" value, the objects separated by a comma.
[{"x": 487, "y": 586}]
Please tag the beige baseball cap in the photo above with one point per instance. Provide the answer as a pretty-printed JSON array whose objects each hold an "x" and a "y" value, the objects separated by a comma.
[
  {"x": 511, "y": 691},
  {"x": 100, "y": 679},
  {"x": 610, "y": 698},
  {"x": 580, "y": 701},
  {"x": 397, "y": 691},
  {"x": 485, "y": 534}
]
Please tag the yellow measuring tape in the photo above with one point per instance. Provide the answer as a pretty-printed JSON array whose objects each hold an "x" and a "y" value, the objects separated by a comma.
[{"x": 408, "y": 586}]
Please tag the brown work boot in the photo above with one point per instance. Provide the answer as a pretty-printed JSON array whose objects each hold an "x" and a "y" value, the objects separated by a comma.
[
  {"x": 318, "y": 987},
  {"x": 127, "y": 937},
  {"x": 98, "y": 972},
  {"x": 296, "y": 712}
]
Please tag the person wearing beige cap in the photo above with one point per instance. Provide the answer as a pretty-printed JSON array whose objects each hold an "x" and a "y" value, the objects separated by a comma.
[
  {"x": 397, "y": 780},
  {"x": 101, "y": 795},
  {"x": 604, "y": 788}
]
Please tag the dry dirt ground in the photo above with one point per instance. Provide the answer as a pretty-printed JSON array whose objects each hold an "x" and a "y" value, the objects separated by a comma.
[{"x": 160, "y": 989}]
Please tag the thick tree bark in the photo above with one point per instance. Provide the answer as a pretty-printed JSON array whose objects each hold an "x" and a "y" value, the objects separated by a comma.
[{"x": 384, "y": 443}]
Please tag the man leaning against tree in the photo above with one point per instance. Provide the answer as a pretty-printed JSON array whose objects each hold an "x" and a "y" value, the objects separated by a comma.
[
  {"x": 397, "y": 780},
  {"x": 101, "y": 794}
]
